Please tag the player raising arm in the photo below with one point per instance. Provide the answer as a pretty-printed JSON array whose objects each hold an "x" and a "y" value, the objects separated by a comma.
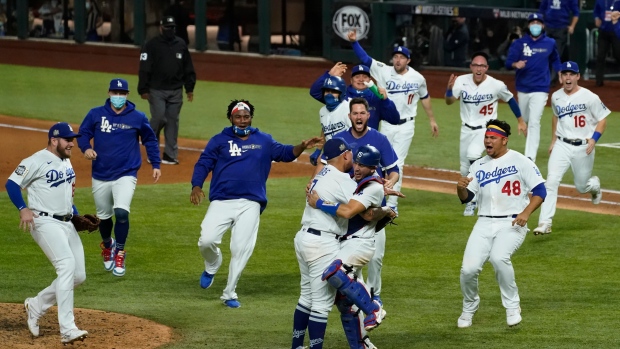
[
  {"x": 579, "y": 121},
  {"x": 478, "y": 94},
  {"x": 501, "y": 181}
]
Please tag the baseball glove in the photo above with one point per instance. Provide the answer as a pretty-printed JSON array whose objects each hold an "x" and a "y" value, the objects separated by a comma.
[
  {"x": 86, "y": 222},
  {"x": 383, "y": 222}
]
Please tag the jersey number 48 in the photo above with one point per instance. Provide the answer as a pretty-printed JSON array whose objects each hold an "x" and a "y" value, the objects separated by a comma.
[{"x": 513, "y": 188}]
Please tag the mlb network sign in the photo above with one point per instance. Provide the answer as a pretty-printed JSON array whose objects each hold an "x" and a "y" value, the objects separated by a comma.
[{"x": 349, "y": 18}]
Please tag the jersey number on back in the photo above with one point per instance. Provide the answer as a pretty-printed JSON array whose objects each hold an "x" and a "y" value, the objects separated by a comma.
[
  {"x": 512, "y": 189},
  {"x": 105, "y": 125},
  {"x": 487, "y": 110}
]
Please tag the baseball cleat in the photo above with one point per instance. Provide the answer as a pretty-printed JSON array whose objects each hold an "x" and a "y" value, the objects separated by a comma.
[
  {"x": 232, "y": 303},
  {"x": 465, "y": 320},
  {"x": 542, "y": 228},
  {"x": 166, "y": 160},
  {"x": 33, "y": 320},
  {"x": 367, "y": 343},
  {"x": 119, "y": 263},
  {"x": 513, "y": 316},
  {"x": 206, "y": 279},
  {"x": 470, "y": 209},
  {"x": 108, "y": 255},
  {"x": 374, "y": 319},
  {"x": 597, "y": 194},
  {"x": 73, "y": 335}
]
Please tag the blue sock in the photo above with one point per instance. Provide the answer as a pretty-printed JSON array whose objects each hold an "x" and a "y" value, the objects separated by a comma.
[
  {"x": 105, "y": 229},
  {"x": 316, "y": 330},
  {"x": 121, "y": 228},
  {"x": 300, "y": 322}
]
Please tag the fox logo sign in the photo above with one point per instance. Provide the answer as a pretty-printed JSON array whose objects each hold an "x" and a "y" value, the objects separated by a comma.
[{"x": 349, "y": 18}]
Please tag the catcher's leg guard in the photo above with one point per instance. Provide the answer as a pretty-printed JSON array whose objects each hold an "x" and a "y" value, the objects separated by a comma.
[
  {"x": 350, "y": 322},
  {"x": 355, "y": 291}
]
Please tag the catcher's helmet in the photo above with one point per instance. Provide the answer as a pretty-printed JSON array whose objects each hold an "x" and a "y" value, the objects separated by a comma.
[
  {"x": 367, "y": 155},
  {"x": 337, "y": 84}
]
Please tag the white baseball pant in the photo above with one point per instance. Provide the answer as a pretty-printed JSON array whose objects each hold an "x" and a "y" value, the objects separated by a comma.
[
  {"x": 63, "y": 247},
  {"x": 373, "y": 282},
  {"x": 314, "y": 254},
  {"x": 109, "y": 195},
  {"x": 532, "y": 106},
  {"x": 243, "y": 216},
  {"x": 471, "y": 147},
  {"x": 495, "y": 240},
  {"x": 562, "y": 157},
  {"x": 400, "y": 136}
]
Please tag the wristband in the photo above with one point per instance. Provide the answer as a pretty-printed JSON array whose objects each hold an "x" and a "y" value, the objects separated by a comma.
[
  {"x": 596, "y": 136},
  {"x": 449, "y": 93},
  {"x": 328, "y": 208}
]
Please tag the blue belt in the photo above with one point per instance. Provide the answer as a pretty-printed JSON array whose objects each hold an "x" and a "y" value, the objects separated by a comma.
[
  {"x": 402, "y": 121},
  {"x": 473, "y": 127},
  {"x": 314, "y": 231},
  {"x": 573, "y": 141},
  {"x": 508, "y": 216},
  {"x": 64, "y": 218}
]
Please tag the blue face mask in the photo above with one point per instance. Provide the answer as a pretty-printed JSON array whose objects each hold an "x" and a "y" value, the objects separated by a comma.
[
  {"x": 242, "y": 132},
  {"x": 535, "y": 29},
  {"x": 118, "y": 101},
  {"x": 331, "y": 101}
]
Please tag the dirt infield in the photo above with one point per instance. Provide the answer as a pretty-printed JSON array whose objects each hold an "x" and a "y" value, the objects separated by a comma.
[{"x": 214, "y": 67}]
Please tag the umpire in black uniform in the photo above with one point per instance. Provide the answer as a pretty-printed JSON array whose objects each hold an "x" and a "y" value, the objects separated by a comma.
[{"x": 165, "y": 67}]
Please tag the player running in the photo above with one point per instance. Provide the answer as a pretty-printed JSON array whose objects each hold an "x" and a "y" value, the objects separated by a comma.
[
  {"x": 579, "y": 121},
  {"x": 501, "y": 181},
  {"x": 479, "y": 94}
]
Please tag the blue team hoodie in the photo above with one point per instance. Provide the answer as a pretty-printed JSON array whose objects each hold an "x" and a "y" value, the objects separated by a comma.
[
  {"x": 240, "y": 167},
  {"x": 117, "y": 141},
  {"x": 559, "y": 17},
  {"x": 539, "y": 54},
  {"x": 600, "y": 7}
]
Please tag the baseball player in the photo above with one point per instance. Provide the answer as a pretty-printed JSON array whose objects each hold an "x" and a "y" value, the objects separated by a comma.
[
  {"x": 356, "y": 246},
  {"x": 360, "y": 134},
  {"x": 240, "y": 158},
  {"x": 50, "y": 181},
  {"x": 479, "y": 94},
  {"x": 501, "y": 181},
  {"x": 380, "y": 108},
  {"x": 405, "y": 86},
  {"x": 316, "y": 245},
  {"x": 334, "y": 114},
  {"x": 116, "y": 129},
  {"x": 579, "y": 121},
  {"x": 531, "y": 56}
]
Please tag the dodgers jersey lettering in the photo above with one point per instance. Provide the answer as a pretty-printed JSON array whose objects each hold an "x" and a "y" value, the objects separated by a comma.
[
  {"x": 332, "y": 186},
  {"x": 479, "y": 102},
  {"x": 502, "y": 184},
  {"x": 404, "y": 90},
  {"x": 335, "y": 121},
  {"x": 53, "y": 195},
  {"x": 578, "y": 113}
]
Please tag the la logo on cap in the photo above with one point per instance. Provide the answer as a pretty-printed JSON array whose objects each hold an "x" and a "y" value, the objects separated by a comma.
[
  {"x": 56, "y": 132},
  {"x": 119, "y": 83},
  {"x": 568, "y": 65},
  {"x": 361, "y": 68},
  {"x": 400, "y": 49}
]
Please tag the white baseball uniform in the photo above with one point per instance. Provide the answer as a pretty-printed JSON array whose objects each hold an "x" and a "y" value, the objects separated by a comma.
[
  {"x": 316, "y": 245},
  {"x": 532, "y": 105},
  {"x": 405, "y": 91},
  {"x": 50, "y": 183},
  {"x": 577, "y": 116},
  {"x": 335, "y": 121},
  {"x": 501, "y": 186},
  {"x": 478, "y": 105}
]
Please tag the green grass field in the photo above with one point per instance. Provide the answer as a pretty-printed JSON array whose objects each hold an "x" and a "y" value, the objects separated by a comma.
[{"x": 568, "y": 281}]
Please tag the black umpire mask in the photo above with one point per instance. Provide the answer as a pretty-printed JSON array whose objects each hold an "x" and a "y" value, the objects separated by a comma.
[{"x": 168, "y": 33}]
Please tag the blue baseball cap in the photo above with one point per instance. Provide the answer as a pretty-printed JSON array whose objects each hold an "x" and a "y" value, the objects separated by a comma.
[
  {"x": 402, "y": 50},
  {"x": 335, "y": 147},
  {"x": 570, "y": 66},
  {"x": 360, "y": 69},
  {"x": 535, "y": 17},
  {"x": 119, "y": 85},
  {"x": 62, "y": 130}
]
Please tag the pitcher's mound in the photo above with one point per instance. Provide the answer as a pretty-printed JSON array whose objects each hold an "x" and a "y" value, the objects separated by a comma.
[{"x": 106, "y": 330}]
